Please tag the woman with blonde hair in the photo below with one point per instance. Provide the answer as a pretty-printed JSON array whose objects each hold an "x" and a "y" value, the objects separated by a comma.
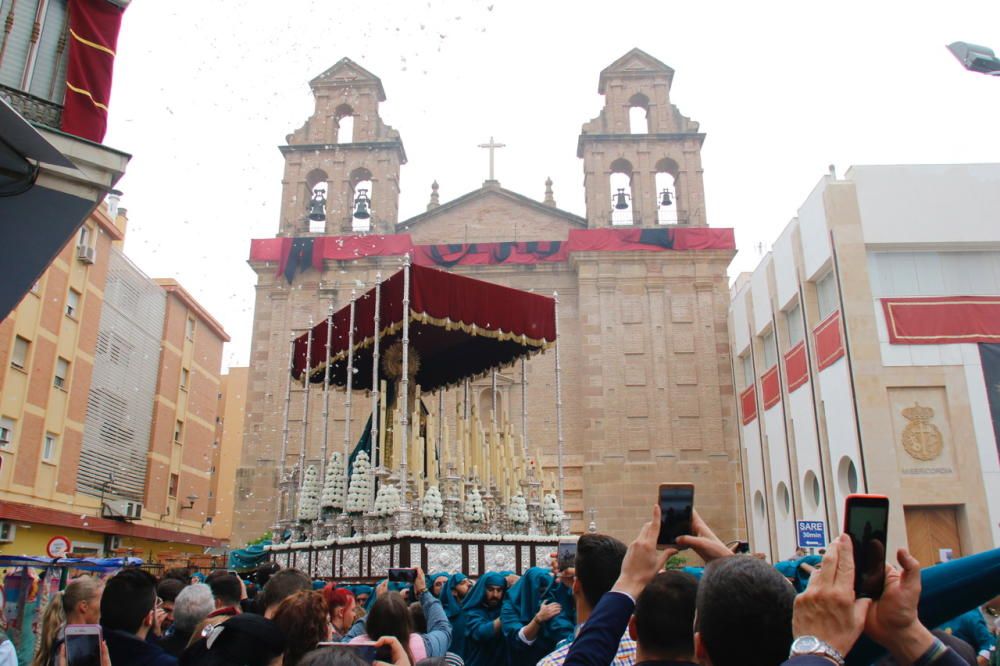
[{"x": 79, "y": 603}]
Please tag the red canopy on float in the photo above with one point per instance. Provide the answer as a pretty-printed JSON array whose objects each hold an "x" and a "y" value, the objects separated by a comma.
[{"x": 459, "y": 328}]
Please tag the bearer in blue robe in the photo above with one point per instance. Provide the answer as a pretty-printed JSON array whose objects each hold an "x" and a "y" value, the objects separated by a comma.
[
  {"x": 523, "y": 616},
  {"x": 484, "y": 642}
]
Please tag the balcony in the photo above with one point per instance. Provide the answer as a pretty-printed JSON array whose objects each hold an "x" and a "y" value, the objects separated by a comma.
[{"x": 34, "y": 109}]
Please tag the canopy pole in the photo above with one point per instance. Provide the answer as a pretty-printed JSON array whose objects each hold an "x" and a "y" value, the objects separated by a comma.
[
  {"x": 350, "y": 387},
  {"x": 493, "y": 388},
  {"x": 524, "y": 411},
  {"x": 282, "y": 488},
  {"x": 305, "y": 410},
  {"x": 559, "y": 421},
  {"x": 465, "y": 418},
  {"x": 326, "y": 395},
  {"x": 440, "y": 433},
  {"x": 404, "y": 390},
  {"x": 375, "y": 385}
]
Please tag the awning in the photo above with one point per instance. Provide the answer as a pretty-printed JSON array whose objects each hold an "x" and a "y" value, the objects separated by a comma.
[
  {"x": 82, "y": 563},
  {"x": 459, "y": 328}
]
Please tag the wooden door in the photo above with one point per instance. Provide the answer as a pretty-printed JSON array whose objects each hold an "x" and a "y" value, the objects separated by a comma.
[{"x": 929, "y": 529}]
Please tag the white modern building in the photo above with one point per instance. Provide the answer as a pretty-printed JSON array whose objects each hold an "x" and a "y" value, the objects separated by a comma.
[{"x": 866, "y": 353}]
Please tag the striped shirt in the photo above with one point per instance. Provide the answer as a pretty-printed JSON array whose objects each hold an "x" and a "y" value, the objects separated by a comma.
[{"x": 624, "y": 657}]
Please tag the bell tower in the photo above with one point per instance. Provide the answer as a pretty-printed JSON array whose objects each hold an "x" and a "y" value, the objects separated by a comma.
[
  {"x": 342, "y": 166},
  {"x": 641, "y": 156}
]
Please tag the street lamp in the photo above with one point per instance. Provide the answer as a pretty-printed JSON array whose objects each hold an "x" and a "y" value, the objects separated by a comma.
[{"x": 976, "y": 58}]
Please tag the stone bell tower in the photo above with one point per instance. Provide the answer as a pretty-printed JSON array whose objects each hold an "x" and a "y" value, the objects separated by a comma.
[
  {"x": 342, "y": 149},
  {"x": 644, "y": 145}
]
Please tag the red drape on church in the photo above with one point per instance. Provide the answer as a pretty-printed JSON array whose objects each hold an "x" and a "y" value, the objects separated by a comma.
[
  {"x": 770, "y": 387},
  {"x": 829, "y": 344},
  {"x": 944, "y": 320},
  {"x": 93, "y": 38},
  {"x": 447, "y": 255},
  {"x": 748, "y": 404},
  {"x": 796, "y": 367},
  {"x": 459, "y": 327}
]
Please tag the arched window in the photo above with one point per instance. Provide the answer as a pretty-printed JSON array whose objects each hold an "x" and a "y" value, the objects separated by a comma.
[
  {"x": 638, "y": 114},
  {"x": 847, "y": 476},
  {"x": 666, "y": 191},
  {"x": 811, "y": 492},
  {"x": 316, "y": 195},
  {"x": 344, "y": 116},
  {"x": 621, "y": 193},
  {"x": 783, "y": 501},
  {"x": 361, "y": 200}
]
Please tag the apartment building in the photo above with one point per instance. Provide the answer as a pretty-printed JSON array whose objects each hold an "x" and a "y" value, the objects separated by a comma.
[
  {"x": 866, "y": 354},
  {"x": 108, "y": 407}
]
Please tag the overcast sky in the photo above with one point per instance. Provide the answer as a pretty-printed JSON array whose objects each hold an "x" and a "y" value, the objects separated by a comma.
[{"x": 205, "y": 91}]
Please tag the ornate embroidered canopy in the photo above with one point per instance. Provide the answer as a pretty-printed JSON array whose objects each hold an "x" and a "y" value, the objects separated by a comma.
[{"x": 459, "y": 328}]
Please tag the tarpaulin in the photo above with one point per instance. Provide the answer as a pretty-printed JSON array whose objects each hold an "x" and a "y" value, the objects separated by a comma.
[
  {"x": 946, "y": 320},
  {"x": 829, "y": 343},
  {"x": 93, "y": 38},
  {"x": 796, "y": 367}
]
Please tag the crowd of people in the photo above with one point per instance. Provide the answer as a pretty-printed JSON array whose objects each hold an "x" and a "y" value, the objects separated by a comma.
[{"x": 606, "y": 605}]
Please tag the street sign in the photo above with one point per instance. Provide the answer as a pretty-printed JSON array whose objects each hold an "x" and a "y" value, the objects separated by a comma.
[
  {"x": 812, "y": 534},
  {"x": 58, "y": 546}
]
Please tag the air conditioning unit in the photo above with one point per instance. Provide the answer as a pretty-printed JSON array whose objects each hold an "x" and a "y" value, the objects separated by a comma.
[
  {"x": 7, "y": 531},
  {"x": 133, "y": 510},
  {"x": 112, "y": 542},
  {"x": 86, "y": 254},
  {"x": 121, "y": 510}
]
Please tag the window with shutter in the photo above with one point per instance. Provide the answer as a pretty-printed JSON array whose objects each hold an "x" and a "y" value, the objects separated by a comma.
[
  {"x": 48, "y": 72},
  {"x": 16, "y": 46}
]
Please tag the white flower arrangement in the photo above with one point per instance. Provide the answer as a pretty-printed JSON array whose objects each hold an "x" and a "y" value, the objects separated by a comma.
[
  {"x": 360, "y": 489},
  {"x": 474, "y": 512},
  {"x": 387, "y": 501},
  {"x": 432, "y": 506},
  {"x": 309, "y": 495},
  {"x": 335, "y": 484},
  {"x": 518, "y": 510},
  {"x": 551, "y": 513}
]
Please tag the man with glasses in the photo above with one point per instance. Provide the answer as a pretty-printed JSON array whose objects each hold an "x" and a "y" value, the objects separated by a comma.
[
  {"x": 596, "y": 567},
  {"x": 130, "y": 609}
]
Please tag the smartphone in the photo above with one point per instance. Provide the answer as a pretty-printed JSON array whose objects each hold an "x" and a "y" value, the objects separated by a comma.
[
  {"x": 866, "y": 520},
  {"x": 366, "y": 649},
  {"x": 676, "y": 505},
  {"x": 742, "y": 547},
  {"x": 83, "y": 645},
  {"x": 566, "y": 554},
  {"x": 403, "y": 575}
]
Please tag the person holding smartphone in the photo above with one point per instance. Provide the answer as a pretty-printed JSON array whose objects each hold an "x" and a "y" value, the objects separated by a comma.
[
  {"x": 390, "y": 616},
  {"x": 128, "y": 613}
]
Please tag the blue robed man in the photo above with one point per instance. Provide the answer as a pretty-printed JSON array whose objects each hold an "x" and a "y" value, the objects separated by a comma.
[
  {"x": 452, "y": 594},
  {"x": 484, "y": 642},
  {"x": 436, "y": 581},
  {"x": 523, "y": 617}
]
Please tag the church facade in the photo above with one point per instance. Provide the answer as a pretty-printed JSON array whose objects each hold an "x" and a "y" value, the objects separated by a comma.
[{"x": 647, "y": 386}]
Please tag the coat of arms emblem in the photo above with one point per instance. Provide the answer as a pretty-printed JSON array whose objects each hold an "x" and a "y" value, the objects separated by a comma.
[{"x": 921, "y": 438}]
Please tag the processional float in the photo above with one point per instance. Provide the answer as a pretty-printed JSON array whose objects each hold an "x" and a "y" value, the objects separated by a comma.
[{"x": 421, "y": 486}]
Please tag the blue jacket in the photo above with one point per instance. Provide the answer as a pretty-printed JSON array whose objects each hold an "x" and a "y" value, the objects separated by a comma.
[
  {"x": 126, "y": 649},
  {"x": 971, "y": 627}
]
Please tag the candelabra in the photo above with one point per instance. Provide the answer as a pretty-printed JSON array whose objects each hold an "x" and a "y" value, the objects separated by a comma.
[
  {"x": 532, "y": 491},
  {"x": 592, "y": 528},
  {"x": 490, "y": 507},
  {"x": 452, "y": 503}
]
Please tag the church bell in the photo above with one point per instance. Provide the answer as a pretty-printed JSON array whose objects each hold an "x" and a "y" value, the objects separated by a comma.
[
  {"x": 665, "y": 199},
  {"x": 362, "y": 205},
  {"x": 317, "y": 206},
  {"x": 620, "y": 199}
]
